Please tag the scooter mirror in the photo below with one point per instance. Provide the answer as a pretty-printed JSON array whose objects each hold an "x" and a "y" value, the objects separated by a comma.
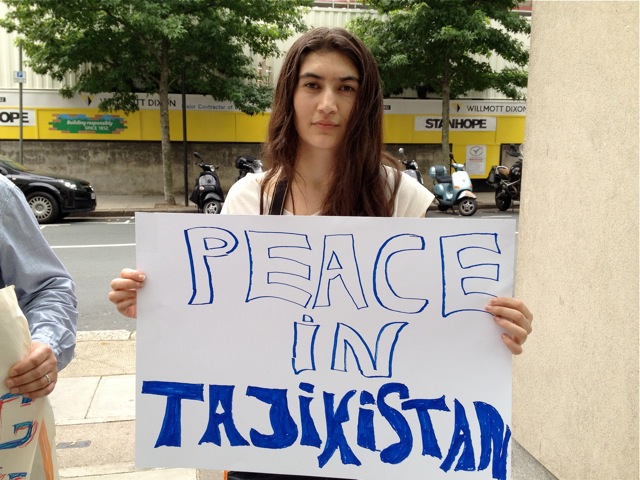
[
  {"x": 512, "y": 151},
  {"x": 197, "y": 155},
  {"x": 401, "y": 151}
]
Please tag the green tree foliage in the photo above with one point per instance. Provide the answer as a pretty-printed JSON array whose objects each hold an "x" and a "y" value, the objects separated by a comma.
[
  {"x": 444, "y": 46},
  {"x": 123, "y": 47}
]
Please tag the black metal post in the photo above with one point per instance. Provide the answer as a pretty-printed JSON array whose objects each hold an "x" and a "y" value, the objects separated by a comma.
[{"x": 184, "y": 136}]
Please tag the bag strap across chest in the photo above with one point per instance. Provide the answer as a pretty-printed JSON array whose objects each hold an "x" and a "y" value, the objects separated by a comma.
[{"x": 279, "y": 197}]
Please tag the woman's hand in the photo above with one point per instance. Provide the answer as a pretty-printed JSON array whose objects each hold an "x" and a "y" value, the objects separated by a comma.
[
  {"x": 514, "y": 316},
  {"x": 124, "y": 291},
  {"x": 35, "y": 375}
]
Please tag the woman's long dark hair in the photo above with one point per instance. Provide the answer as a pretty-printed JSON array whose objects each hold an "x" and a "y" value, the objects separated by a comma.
[{"x": 359, "y": 185}]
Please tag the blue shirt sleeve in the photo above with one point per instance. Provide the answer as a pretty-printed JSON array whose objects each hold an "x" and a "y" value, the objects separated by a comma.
[{"x": 45, "y": 290}]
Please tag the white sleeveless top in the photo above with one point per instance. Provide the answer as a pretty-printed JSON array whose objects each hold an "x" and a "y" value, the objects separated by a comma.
[{"x": 412, "y": 198}]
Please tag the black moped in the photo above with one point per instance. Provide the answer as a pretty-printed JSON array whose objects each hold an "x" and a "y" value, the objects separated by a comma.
[
  {"x": 410, "y": 167},
  {"x": 207, "y": 193},
  {"x": 247, "y": 164},
  {"x": 507, "y": 181}
]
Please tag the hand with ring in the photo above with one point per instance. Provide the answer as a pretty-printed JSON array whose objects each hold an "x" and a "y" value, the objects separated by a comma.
[{"x": 35, "y": 375}]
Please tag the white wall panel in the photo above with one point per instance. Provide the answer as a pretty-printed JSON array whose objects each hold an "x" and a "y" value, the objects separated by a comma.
[{"x": 10, "y": 62}]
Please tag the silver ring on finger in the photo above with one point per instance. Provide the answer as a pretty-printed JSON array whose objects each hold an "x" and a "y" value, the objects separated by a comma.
[{"x": 46, "y": 375}]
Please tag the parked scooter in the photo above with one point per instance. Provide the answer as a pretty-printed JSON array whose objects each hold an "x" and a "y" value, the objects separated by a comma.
[
  {"x": 507, "y": 180},
  {"x": 455, "y": 189},
  {"x": 207, "y": 193},
  {"x": 410, "y": 167},
  {"x": 246, "y": 164}
]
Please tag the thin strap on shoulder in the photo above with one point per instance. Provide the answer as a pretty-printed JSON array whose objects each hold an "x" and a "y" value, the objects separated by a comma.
[{"x": 279, "y": 197}]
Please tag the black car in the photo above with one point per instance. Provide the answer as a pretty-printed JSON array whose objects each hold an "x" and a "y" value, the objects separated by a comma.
[{"x": 51, "y": 197}]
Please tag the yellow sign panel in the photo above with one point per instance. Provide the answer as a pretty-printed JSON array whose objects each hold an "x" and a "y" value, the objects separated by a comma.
[{"x": 472, "y": 122}]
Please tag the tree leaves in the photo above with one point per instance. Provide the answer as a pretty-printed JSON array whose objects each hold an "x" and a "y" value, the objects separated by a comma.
[
  {"x": 428, "y": 38},
  {"x": 123, "y": 47},
  {"x": 115, "y": 45},
  {"x": 445, "y": 46}
]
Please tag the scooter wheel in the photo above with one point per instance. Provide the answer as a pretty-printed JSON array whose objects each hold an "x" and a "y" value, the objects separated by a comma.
[
  {"x": 467, "y": 206},
  {"x": 442, "y": 208},
  {"x": 211, "y": 207}
]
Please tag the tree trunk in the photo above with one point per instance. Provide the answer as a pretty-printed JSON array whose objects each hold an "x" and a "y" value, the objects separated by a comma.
[
  {"x": 163, "y": 92},
  {"x": 446, "y": 102}
]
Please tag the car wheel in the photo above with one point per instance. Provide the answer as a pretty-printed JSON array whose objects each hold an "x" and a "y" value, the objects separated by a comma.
[
  {"x": 44, "y": 207},
  {"x": 211, "y": 207},
  {"x": 467, "y": 206}
]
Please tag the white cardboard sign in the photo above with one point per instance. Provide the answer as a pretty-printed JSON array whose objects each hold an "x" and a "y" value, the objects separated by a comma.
[
  {"x": 324, "y": 346},
  {"x": 27, "y": 428}
]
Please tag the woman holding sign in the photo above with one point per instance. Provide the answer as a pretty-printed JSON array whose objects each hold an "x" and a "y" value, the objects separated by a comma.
[{"x": 326, "y": 157}]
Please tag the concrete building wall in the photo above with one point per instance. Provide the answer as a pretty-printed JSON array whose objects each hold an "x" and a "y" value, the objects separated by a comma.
[
  {"x": 128, "y": 167},
  {"x": 576, "y": 386},
  {"x": 115, "y": 168}
]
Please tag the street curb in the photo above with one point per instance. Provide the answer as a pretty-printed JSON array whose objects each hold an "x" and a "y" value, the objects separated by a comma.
[
  {"x": 178, "y": 209},
  {"x": 116, "y": 212}
]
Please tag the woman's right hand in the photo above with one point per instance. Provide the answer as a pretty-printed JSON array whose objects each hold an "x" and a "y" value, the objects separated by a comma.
[{"x": 124, "y": 291}]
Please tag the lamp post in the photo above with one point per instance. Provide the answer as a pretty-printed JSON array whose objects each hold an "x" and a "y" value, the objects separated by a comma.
[{"x": 21, "y": 76}]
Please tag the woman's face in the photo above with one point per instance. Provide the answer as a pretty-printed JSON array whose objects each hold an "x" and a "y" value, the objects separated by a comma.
[{"x": 323, "y": 99}]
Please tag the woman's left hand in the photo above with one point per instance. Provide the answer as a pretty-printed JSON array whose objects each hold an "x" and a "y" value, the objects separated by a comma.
[{"x": 514, "y": 316}]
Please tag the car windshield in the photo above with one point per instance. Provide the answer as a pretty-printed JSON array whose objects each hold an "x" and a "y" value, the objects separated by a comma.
[{"x": 14, "y": 165}]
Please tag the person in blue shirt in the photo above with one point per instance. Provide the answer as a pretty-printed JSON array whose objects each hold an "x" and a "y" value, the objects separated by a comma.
[{"x": 45, "y": 293}]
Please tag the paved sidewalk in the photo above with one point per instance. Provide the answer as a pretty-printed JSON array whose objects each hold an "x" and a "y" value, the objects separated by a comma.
[
  {"x": 114, "y": 205},
  {"x": 94, "y": 402}
]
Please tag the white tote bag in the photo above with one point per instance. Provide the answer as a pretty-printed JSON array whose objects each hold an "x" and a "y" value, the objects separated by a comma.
[{"x": 27, "y": 429}]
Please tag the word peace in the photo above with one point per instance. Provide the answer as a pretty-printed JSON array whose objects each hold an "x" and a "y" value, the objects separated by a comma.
[{"x": 278, "y": 268}]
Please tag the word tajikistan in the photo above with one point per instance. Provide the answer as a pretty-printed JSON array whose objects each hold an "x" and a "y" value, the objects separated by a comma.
[{"x": 494, "y": 434}]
